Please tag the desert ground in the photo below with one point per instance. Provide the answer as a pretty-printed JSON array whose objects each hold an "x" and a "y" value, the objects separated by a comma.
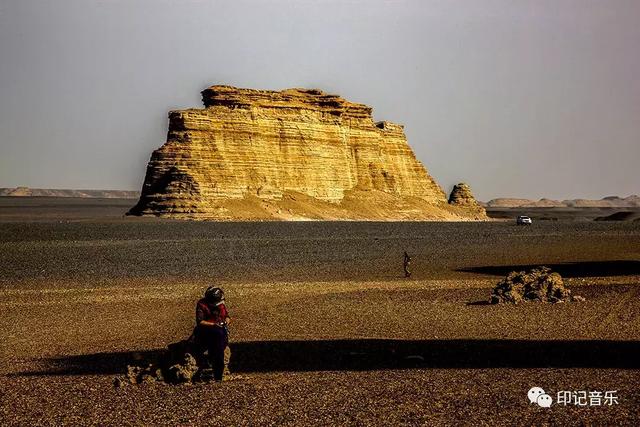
[{"x": 326, "y": 330}]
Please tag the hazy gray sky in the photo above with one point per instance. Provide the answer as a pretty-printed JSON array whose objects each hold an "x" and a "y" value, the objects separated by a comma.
[{"x": 525, "y": 98}]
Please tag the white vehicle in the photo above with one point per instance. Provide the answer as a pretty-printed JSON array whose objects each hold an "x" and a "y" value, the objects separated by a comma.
[{"x": 523, "y": 220}]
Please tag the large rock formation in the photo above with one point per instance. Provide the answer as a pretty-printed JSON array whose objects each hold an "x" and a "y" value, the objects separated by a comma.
[{"x": 293, "y": 154}]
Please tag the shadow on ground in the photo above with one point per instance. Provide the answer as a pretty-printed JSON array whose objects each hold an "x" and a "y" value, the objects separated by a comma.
[
  {"x": 362, "y": 355},
  {"x": 568, "y": 269}
]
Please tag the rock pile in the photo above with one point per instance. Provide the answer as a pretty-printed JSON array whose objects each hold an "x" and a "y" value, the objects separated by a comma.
[
  {"x": 175, "y": 365},
  {"x": 186, "y": 371},
  {"x": 539, "y": 284}
]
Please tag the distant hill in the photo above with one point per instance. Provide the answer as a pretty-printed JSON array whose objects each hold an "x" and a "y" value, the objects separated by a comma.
[
  {"x": 620, "y": 216},
  {"x": 47, "y": 192},
  {"x": 606, "y": 202}
]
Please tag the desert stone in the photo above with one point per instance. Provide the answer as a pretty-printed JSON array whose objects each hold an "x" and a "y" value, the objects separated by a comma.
[{"x": 538, "y": 284}]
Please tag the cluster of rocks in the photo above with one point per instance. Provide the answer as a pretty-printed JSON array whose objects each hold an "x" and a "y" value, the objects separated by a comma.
[
  {"x": 539, "y": 284},
  {"x": 185, "y": 371}
]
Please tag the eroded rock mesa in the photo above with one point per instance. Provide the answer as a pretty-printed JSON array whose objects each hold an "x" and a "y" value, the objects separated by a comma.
[{"x": 291, "y": 154}]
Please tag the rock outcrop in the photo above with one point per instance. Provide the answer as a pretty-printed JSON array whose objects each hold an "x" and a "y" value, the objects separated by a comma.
[
  {"x": 292, "y": 154},
  {"x": 461, "y": 196},
  {"x": 539, "y": 284}
]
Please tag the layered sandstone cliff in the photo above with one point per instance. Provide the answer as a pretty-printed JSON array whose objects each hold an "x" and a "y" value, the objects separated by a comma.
[{"x": 292, "y": 154}]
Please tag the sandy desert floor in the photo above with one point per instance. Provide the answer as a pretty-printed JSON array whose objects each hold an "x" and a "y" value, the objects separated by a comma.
[{"x": 325, "y": 331}]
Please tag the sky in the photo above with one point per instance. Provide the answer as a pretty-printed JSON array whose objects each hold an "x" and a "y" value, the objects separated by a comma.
[{"x": 528, "y": 98}]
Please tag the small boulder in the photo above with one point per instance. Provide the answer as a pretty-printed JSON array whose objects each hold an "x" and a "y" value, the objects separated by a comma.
[
  {"x": 539, "y": 284},
  {"x": 184, "y": 372},
  {"x": 176, "y": 365}
]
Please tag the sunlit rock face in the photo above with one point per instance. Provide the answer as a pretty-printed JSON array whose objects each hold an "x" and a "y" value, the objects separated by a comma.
[
  {"x": 291, "y": 154},
  {"x": 462, "y": 197}
]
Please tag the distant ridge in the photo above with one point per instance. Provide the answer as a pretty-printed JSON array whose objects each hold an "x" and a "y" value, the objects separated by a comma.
[
  {"x": 606, "y": 202},
  {"x": 48, "y": 192}
]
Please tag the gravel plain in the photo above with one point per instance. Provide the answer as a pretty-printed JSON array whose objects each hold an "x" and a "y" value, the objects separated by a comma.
[{"x": 325, "y": 330}]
